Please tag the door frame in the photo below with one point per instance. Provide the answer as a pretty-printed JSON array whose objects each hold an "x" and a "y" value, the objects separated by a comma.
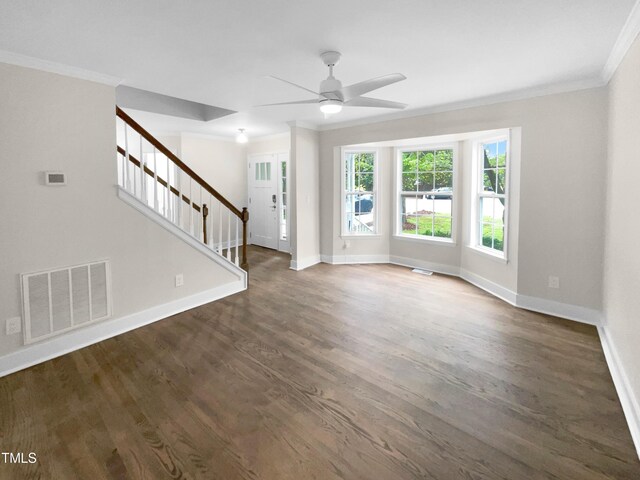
[{"x": 282, "y": 245}]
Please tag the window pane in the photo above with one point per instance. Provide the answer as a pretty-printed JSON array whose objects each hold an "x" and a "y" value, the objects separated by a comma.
[
  {"x": 363, "y": 204},
  {"x": 257, "y": 171},
  {"x": 489, "y": 180},
  {"x": 502, "y": 153},
  {"x": 425, "y": 225},
  {"x": 268, "y": 170},
  {"x": 262, "y": 171},
  {"x": 409, "y": 223},
  {"x": 426, "y": 161},
  {"x": 409, "y": 204},
  {"x": 442, "y": 227},
  {"x": 498, "y": 211},
  {"x": 409, "y": 161},
  {"x": 283, "y": 167},
  {"x": 364, "y": 182},
  {"x": 424, "y": 182},
  {"x": 284, "y": 185},
  {"x": 443, "y": 206},
  {"x": 490, "y": 155},
  {"x": 486, "y": 210},
  {"x": 444, "y": 180},
  {"x": 498, "y": 240},
  {"x": 361, "y": 162},
  {"x": 409, "y": 180},
  {"x": 502, "y": 177},
  {"x": 424, "y": 204},
  {"x": 487, "y": 235},
  {"x": 444, "y": 160}
]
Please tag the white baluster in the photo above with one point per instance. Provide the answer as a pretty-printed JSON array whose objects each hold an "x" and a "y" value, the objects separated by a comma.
[
  {"x": 229, "y": 235},
  {"x": 167, "y": 206},
  {"x": 126, "y": 186},
  {"x": 143, "y": 176},
  {"x": 190, "y": 205},
  {"x": 210, "y": 221},
  {"x": 237, "y": 243},
  {"x": 220, "y": 228},
  {"x": 155, "y": 179}
]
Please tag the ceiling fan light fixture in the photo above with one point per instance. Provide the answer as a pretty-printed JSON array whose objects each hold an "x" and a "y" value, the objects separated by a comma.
[
  {"x": 330, "y": 106},
  {"x": 242, "y": 137}
]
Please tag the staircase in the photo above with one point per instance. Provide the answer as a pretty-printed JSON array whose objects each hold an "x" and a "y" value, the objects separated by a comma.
[{"x": 155, "y": 181}]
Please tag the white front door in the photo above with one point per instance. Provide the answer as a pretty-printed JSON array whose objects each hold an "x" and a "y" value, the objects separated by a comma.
[{"x": 263, "y": 200}]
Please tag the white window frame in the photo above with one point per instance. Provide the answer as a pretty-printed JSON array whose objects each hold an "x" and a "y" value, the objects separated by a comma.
[
  {"x": 343, "y": 192},
  {"x": 478, "y": 192},
  {"x": 398, "y": 194}
]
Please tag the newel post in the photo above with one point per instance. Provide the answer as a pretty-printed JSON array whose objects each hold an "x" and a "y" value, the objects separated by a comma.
[
  {"x": 205, "y": 213},
  {"x": 245, "y": 220}
]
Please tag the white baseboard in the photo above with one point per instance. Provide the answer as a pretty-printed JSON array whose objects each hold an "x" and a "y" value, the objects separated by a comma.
[
  {"x": 559, "y": 309},
  {"x": 304, "y": 263},
  {"x": 630, "y": 404},
  {"x": 493, "y": 288},
  {"x": 154, "y": 216},
  {"x": 75, "y": 340},
  {"x": 353, "y": 259},
  {"x": 434, "y": 267}
]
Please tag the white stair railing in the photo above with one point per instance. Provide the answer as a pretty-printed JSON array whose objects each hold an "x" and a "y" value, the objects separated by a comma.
[{"x": 160, "y": 180}]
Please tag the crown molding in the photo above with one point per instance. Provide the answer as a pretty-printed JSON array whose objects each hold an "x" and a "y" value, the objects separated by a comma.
[
  {"x": 624, "y": 41},
  {"x": 541, "y": 91},
  {"x": 59, "y": 68},
  {"x": 301, "y": 124}
]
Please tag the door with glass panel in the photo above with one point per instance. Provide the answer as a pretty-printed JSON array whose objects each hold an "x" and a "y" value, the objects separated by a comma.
[{"x": 263, "y": 200}]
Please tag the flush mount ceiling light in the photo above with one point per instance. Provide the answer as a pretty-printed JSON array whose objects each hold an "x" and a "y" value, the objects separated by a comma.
[
  {"x": 242, "y": 137},
  {"x": 332, "y": 95}
]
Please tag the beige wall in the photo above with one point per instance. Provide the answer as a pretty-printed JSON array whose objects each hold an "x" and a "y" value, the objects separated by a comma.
[
  {"x": 563, "y": 151},
  {"x": 305, "y": 222},
  {"x": 622, "y": 257},
  {"x": 221, "y": 163},
  {"x": 279, "y": 143},
  {"x": 52, "y": 122}
]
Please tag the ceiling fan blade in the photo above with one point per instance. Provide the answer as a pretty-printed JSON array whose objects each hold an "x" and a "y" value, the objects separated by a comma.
[
  {"x": 294, "y": 84},
  {"x": 313, "y": 100},
  {"x": 361, "y": 88},
  {"x": 374, "y": 102}
]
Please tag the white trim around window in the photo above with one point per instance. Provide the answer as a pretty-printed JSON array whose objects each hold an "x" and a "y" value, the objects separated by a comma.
[
  {"x": 425, "y": 192},
  {"x": 497, "y": 197},
  {"x": 359, "y": 197}
]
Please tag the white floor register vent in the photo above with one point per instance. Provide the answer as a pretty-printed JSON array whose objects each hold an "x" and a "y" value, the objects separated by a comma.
[
  {"x": 422, "y": 272},
  {"x": 59, "y": 300}
]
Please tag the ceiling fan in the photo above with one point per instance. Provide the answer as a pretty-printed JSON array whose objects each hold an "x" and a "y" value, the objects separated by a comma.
[{"x": 332, "y": 96}]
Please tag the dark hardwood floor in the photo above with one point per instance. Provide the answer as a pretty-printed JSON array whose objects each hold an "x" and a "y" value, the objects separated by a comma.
[{"x": 335, "y": 372}]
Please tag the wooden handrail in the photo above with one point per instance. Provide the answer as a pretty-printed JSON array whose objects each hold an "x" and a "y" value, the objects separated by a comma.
[
  {"x": 153, "y": 141},
  {"x": 161, "y": 181},
  {"x": 242, "y": 215}
]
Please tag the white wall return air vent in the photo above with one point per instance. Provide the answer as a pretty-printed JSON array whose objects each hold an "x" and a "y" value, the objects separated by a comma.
[{"x": 56, "y": 301}]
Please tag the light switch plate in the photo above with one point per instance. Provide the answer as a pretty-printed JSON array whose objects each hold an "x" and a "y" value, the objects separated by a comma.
[{"x": 14, "y": 325}]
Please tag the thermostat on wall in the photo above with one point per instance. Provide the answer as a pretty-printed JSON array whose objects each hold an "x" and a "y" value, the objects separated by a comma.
[{"x": 55, "y": 178}]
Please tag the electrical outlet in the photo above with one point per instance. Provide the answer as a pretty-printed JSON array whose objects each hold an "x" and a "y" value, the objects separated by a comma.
[
  {"x": 14, "y": 325},
  {"x": 554, "y": 282},
  {"x": 179, "y": 280}
]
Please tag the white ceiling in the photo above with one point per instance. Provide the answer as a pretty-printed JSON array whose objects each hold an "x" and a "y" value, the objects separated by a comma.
[{"x": 220, "y": 52}]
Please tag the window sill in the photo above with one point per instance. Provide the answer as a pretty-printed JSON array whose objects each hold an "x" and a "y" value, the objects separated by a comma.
[
  {"x": 361, "y": 235},
  {"x": 498, "y": 257},
  {"x": 431, "y": 240}
]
